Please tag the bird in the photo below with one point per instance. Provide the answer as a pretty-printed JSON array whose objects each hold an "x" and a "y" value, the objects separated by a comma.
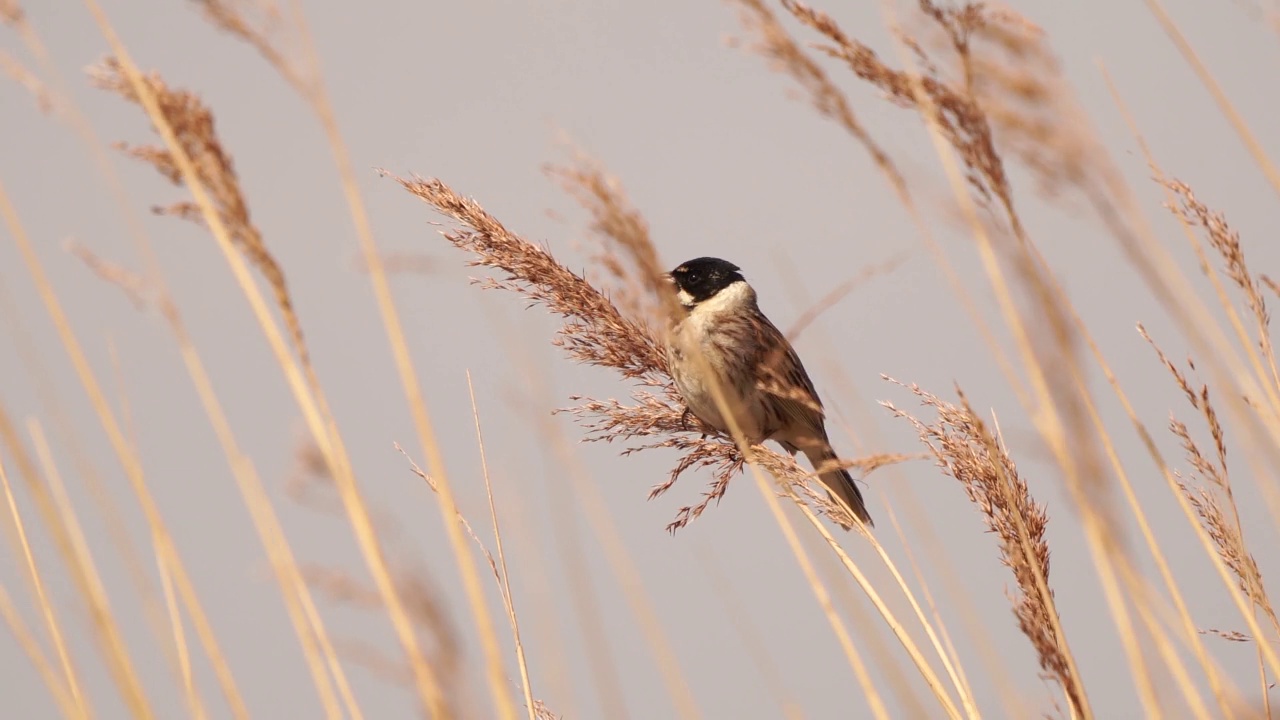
[{"x": 764, "y": 384}]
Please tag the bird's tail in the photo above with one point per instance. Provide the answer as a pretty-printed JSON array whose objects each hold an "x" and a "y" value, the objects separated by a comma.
[{"x": 840, "y": 486}]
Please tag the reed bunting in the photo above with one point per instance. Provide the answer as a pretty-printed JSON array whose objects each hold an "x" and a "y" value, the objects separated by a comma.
[{"x": 763, "y": 382}]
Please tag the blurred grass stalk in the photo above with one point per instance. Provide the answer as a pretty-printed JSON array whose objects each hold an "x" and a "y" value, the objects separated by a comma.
[{"x": 990, "y": 92}]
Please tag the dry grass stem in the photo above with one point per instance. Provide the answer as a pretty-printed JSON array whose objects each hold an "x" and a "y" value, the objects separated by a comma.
[
  {"x": 967, "y": 451},
  {"x": 83, "y": 572},
  {"x": 79, "y": 542},
  {"x": 1010, "y": 134},
  {"x": 435, "y": 488},
  {"x": 312, "y": 486},
  {"x": 317, "y": 648},
  {"x": 40, "y": 373},
  {"x": 958, "y": 114},
  {"x": 922, "y": 665},
  {"x": 42, "y": 600},
  {"x": 959, "y": 106},
  {"x": 1220, "y": 98},
  {"x": 193, "y": 125},
  {"x": 262, "y": 25},
  {"x": 1004, "y": 63},
  {"x": 582, "y": 501},
  {"x": 839, "y": 292},
  {"x": 501, "y": 574},
  {"x": 308, "y": 395},
  {"x": 135, "y": 287},
  {"x": 1214, "y": 490},
  {"x": 28, "y": 80},
  {"x": 1193, "y": 213},
  {"x": 25, "y": 639},
  {"x": 89, "y": 586},
  {"x": 195, "y": 705},
  {"x": 594, "y": 325},
  {"x": 774, "y": 43},
  {"x": 257, "y": 31}
]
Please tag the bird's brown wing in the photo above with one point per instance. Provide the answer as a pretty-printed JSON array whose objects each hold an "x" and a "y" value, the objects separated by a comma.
[
  {"x": 783, "y": 378},
  {"x": 797, "y": 419}
]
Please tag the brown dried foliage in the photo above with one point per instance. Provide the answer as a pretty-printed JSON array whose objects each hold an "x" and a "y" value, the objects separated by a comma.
[
  {"x": 1006, "y": 65},
  {"x": 967, "y": 450},
  {"x": 1225, "y": 532},
  {"x": 311, "y": 485},
  {"x": 193, "y": 125},
  {"x": 1214, "y": 490},
  {"x": 261, "y": 24},
  {"x": 626, "y": 252},
  {"x": 984, "y": 87},
  {"x": 774, "y": 43},
  {"x": 956, "y": 110},
  {"x": 596, "y": 332},
  {"x": 1213, "y": 497},
  {"x": 967, "y": 110},
  {"x": 1226, "y": 242},
  {"x": 133, "y": 285},
  {"x": 991, "y": 82},
  {"x": 1000, "y": 89}
]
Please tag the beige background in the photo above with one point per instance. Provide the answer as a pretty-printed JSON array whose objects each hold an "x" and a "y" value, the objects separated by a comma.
[{"x": 721, "y": 161}]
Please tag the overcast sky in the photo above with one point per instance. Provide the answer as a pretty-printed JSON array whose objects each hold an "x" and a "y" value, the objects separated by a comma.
[{"x": 722, "y": 160}]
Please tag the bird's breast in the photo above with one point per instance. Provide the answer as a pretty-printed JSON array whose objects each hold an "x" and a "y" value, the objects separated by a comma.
[{"x": 708, "y": 351}]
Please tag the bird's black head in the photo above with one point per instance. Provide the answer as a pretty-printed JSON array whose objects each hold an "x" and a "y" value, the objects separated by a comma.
[{"x": 699, "y": 280}]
